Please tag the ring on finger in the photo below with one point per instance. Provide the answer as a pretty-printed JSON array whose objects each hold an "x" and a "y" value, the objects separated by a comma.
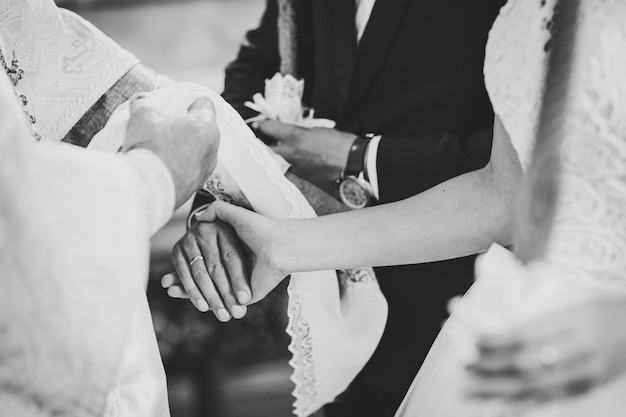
[
  {"x": 196, "y": 259},
  {"x": 548, "y": 356}
]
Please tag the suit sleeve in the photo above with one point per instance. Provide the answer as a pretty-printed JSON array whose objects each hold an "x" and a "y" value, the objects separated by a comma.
[
  {"x": 409, "y": 165},
  {"x": 258, "y": 59}
]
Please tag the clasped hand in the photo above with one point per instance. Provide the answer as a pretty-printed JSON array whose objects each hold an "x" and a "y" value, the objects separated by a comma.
[
  {"x": 186, "y": 139},
  {"x": 562, "y": 355},
  {"x": 317, "y": 155},
  {"x": 229, "y": 259}
]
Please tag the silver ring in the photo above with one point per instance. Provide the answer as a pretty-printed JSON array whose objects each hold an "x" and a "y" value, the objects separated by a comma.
[
  {"x": 548, "y": 356},
  {"x": 196, "y": 259}
]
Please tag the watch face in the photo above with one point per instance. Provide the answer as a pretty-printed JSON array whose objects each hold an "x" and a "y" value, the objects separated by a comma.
[{"x": 353, "y": 194}]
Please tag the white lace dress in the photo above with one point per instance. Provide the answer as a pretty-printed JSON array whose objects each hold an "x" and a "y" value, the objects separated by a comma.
[{"x": 586, "y": 252}]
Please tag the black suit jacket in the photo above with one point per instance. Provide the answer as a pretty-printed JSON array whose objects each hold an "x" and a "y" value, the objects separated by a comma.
[{"x": 416, "y": 78}]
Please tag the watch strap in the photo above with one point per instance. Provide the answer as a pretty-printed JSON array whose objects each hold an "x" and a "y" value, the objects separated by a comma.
[{"x": 356, "y": 157}]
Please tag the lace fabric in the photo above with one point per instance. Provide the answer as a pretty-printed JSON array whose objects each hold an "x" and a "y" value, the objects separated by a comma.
[{"x": 590, "y": 228}]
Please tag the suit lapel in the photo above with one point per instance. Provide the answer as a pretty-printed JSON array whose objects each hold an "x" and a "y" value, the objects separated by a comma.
[{"x": 375, "y": 44}]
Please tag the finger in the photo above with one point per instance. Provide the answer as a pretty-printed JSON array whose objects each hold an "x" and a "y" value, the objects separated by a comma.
[
  {"x": 202, "y": 107},
  {"x": 284, "y": 150},
  {"x": 508, "y": 387},
  {"x": 237, "y": 217},
  {"x": 233, "y": 257},
  {"x": 207, "y": 240},
  {"x": 500, "y": 343},
  {"x": 279, "y": 131},
  {"x": 203, "y": 280},
  {"x": 138, "y": 96},
  {"x": 263, "y": 281},
  {"x": 454, "y": 303},
  {"x": 170, "y": 279},
  {"x": 564, "y": 382},
  {"x": 180, "y": 256},
  {"x": 177, "y": 291},
  {"x": 139, "y": 102},
  {"x": 529, "y": 369}
]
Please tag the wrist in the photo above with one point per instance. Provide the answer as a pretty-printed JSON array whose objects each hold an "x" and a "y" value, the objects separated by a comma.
[
  {"x": 340, "y": 157},
  {"x": 288, "y": 249}
]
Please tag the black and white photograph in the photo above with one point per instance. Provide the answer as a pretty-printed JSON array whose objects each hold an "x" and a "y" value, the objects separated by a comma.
[{"x": 312, "y": 208}]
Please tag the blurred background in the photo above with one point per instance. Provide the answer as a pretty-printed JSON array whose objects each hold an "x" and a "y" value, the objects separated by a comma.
[{"x": 238, "y": 369}]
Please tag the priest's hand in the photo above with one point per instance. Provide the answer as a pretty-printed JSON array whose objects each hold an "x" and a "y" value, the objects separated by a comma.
[{"x": 186, "y": 141}]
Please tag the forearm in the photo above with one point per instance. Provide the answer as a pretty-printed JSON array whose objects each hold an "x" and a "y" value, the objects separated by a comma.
[{"x": 460, "y": 217}]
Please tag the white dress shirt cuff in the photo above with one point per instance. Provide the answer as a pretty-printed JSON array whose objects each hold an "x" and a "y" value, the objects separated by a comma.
[
  {"x": 157, "y": 182},
  {"x": 370, "y": 165}
]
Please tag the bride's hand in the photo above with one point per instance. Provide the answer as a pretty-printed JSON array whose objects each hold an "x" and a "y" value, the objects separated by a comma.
[
  {"x": 562, "y": 355},
  {"x": 267, "y": 241}
]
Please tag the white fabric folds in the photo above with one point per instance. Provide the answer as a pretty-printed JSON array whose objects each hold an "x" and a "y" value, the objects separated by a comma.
[{"x": 335, "y": 322}]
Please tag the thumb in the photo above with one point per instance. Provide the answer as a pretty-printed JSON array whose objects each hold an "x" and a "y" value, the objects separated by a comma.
[
  {"x": 263, "y": 281},
  {"x": 279, "y": 130},
  {"x": 239, "y": 218},
  {"x": 202, "y": 107}
]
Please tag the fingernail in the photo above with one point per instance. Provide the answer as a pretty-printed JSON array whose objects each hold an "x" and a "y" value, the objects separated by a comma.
[
  {"x": 200, "y": 213},
  {"x": 163, "y": 279},
  {"x": 202, "y": 306},
  {"x": 243, "y": 297},
  {"x": 223, "y": 315},
  {"x": 238, "y": 311}
]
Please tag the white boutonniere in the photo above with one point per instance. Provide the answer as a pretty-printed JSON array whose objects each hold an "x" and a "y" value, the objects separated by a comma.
[{"x": 282, "y": 101}]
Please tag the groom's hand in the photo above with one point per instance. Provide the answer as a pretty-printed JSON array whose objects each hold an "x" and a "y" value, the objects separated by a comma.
[
  {"x": 186, "y": 141},
  {"x": 317, "y": 155},
  {"x": 211, "y": 271}
]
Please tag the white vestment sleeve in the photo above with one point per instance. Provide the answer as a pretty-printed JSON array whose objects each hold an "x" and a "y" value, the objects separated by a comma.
[{"x": 74, "y": 250}]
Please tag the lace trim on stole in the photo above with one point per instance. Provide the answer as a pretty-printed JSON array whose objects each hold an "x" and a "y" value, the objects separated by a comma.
[{"x": 302, "y": 346}]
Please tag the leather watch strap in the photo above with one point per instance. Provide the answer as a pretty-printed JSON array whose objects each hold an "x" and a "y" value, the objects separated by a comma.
[{"x": 356, "y": 157}]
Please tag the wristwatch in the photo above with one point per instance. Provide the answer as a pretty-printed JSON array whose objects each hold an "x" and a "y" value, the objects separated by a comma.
[{"x": 354, "y": 191}]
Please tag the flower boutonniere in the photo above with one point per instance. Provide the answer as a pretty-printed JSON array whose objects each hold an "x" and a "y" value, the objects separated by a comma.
[{"x": 282, "y": 101}]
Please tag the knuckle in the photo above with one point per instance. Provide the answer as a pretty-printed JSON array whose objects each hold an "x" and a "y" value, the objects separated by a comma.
[
  {"x": 214, "y": 269},
  {"x": 229, "y": 299},
  {"x": 215, "y": 302},
  {"x": 231, "y": 255},
  {"x": 198, "y": 273},
  {"x": 205, "y": 230},
  {"x": 187, "y": 243}
]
